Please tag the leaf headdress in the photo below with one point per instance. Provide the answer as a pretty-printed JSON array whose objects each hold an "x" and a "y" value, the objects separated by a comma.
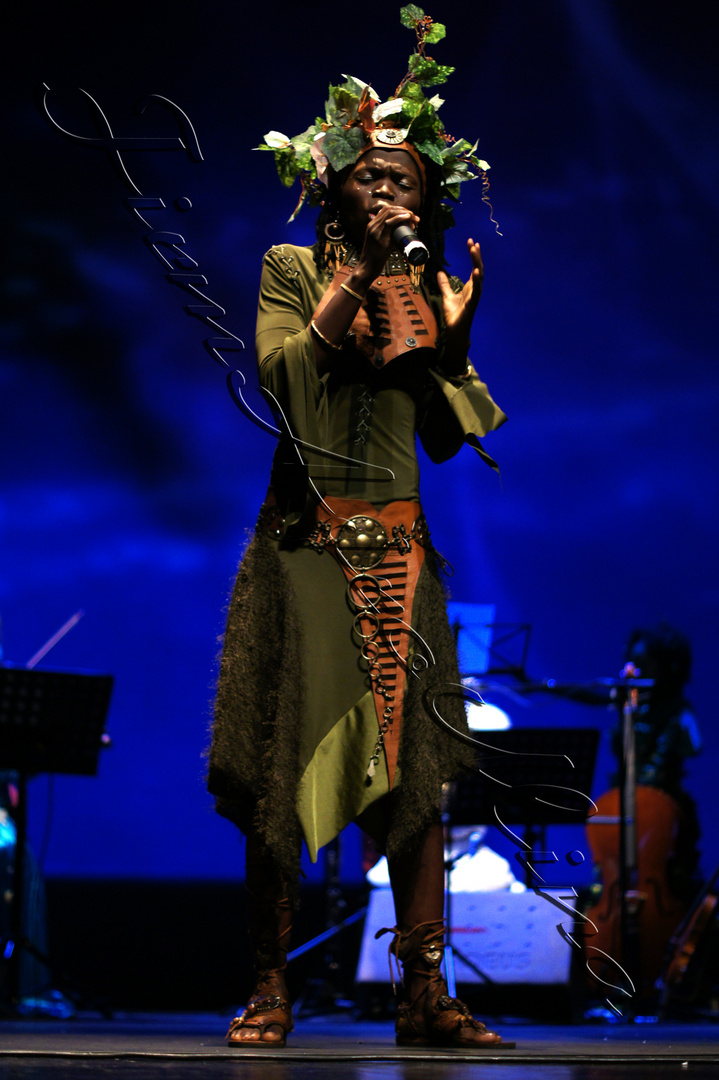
[{"x": 355, "y": 115}]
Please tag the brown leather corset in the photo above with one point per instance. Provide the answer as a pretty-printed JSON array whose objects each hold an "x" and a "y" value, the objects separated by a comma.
[{"x": 393, "y": 319}]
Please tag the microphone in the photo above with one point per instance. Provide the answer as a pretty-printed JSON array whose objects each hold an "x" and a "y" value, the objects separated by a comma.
[{"x": 406, "y": 239}]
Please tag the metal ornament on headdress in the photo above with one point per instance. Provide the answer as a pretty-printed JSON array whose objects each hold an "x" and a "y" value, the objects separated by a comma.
[
  {"x": 356, "y": 120},
  {"x": 389, "y": 136}
]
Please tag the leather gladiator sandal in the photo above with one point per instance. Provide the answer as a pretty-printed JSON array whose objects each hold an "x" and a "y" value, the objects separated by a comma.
[
  {"x": 429, "y": 1016},
  {"x": 267, "y": 1020}
]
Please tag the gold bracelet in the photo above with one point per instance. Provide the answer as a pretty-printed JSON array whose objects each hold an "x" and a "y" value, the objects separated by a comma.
[
  {"x": 352, "y": 293},
  {"x": 321, "y": 336}
]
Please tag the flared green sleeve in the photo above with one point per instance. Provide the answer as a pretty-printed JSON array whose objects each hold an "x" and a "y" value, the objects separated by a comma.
[
  {"x": 473, "y": 414},
  {"x": 290, "y": 290},
  {"x": 457, "y": 409}
]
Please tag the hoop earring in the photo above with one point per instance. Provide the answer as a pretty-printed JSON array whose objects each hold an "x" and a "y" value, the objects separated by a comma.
[{"x": 334, "y": 231}]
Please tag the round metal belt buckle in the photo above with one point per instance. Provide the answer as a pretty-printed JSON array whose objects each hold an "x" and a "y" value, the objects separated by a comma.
[{"x": 363, "y": 542}]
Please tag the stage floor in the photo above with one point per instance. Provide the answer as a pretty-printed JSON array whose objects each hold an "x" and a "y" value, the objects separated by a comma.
[{"x": 149, "y": 1046}]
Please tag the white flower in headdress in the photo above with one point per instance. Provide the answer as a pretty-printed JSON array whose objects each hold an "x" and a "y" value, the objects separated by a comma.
[
  {"x": 387, "y": 108},
  {"x": 276, "y": 140}
]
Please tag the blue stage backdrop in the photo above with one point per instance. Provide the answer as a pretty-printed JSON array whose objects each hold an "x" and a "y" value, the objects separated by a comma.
[{"x": 130, "y": 477}]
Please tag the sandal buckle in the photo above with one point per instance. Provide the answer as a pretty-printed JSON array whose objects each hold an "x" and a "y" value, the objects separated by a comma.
[{"x": 267, "y": 1004}]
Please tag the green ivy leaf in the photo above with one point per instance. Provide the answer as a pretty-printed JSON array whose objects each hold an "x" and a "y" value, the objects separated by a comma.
[
  {"x": 287, "y": 168},
  {"x": 430, "y": 150},
  {"x": 342, "y": 147},
  {"x": 410, "y": 15},
  {"x": 411, "y": 108},
  {"x": 457, "y": 176},
  {"x": 411, "y": 91},
  {"x": 436, "y": 32},
  {"x": 304, "y": 140},
  {"x": 457, "y": 148},
  {"x": 428, "y": 72},
  {"x": 341, "y": 106},
  {"x": 427, "y": 124},
  {"x": 305, "y": 162}
]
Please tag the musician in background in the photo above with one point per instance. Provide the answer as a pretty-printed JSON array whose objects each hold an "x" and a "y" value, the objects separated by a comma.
[{"x": 665, "y": 735}]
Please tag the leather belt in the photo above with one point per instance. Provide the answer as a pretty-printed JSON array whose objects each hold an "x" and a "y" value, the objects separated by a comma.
[{"x": 360, "y": 540}]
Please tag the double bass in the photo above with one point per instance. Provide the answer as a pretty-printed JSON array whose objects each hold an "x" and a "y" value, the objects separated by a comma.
[{"x": 633, "y": 839}]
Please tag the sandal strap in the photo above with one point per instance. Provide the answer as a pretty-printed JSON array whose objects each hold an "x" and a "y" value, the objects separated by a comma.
[
  {"x": 430, "y": 948},
  {"x": 263, "y": 1011}
]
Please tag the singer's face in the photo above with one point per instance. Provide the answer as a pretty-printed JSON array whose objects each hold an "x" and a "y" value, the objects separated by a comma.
[{"x": 379, "y": 178}]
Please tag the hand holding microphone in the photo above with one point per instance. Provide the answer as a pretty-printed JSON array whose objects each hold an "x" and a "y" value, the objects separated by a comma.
[{"x": 391, "y": 227}]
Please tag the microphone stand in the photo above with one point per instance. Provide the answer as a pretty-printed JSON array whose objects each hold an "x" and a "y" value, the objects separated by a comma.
[
  {"x": 450, "y": 951},
  {"x": 630, "y": 897}
]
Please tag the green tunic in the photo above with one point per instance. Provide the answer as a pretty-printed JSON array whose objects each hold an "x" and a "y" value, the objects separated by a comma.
[{"x": 367, "y": 418}]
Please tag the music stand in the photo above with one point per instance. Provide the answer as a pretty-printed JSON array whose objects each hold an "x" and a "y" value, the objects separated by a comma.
[
  {"x": 508, "y": 650},
  {"x": 50, "y": 721},
  {"x": 528, "y": 776},
  {"x": 515, "y": 765}
]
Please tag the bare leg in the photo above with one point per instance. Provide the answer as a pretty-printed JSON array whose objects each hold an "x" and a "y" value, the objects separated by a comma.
[{"x": 418, "y": 882}]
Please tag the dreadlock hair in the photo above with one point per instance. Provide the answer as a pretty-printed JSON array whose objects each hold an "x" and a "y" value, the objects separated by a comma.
[
  {"x": 671, "y": 651},
  {"x": 431, "y": 226}
]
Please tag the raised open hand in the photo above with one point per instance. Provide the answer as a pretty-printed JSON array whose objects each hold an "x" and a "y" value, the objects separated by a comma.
[{"x": 459, "y": 309}]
